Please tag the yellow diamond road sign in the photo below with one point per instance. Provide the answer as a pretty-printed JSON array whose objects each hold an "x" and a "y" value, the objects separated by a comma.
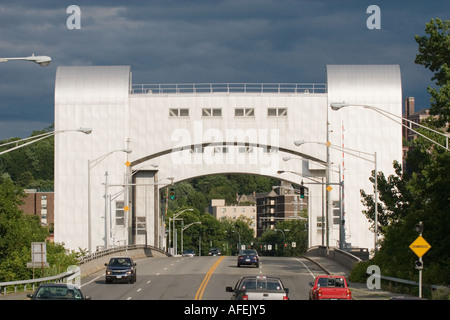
[
  {"x": 329, "y": 188},
  {"x": 420, "y": 246}
]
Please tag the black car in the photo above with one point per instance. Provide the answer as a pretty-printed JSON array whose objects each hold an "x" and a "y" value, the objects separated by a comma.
[
  {"x": 248, "y": 257},
  {"x": 121, "y": 269},
  {"x": 58, "y": 291},
  {"x": 214, "y": 252}
]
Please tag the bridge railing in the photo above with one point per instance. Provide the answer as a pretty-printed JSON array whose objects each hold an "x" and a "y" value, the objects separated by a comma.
[
  {"x": 228, "y": 88},
  {"x": 105, "y": 252}
]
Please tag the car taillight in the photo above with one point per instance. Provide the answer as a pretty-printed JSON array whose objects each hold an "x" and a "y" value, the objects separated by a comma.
[
  {"x": 348, "y": 293},
  {"x": 319, "y": 292},
  {"x": 245, "y": 297},
  {"x": 285, "y": 298}
]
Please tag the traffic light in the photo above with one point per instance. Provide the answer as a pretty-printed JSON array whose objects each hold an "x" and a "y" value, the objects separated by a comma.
[
  {"x": 302, "y": 192},
  {"x": 172, "y": 193}
]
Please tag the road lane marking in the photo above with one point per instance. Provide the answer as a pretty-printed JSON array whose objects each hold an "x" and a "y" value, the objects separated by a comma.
[
  {"x": 312, "y": 275},
  {"x": 205, "y": 281}
]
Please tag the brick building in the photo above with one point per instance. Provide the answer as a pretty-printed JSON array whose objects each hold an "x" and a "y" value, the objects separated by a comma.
[{"x": 40, "y": 204}]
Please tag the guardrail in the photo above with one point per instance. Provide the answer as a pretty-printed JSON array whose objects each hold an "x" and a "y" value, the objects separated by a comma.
[
  {"x": 57, "y": 278},
  {"x": 347, "y": 259},
  {"x": 304, "y": 88},
  {"x": 72, "y": 274}
]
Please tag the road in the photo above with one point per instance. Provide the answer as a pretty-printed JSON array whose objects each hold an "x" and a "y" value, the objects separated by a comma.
[{"x": 200, "y": 278}]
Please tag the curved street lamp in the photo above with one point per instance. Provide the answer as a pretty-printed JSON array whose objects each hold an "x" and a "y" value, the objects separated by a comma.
[
  {"x": 39, "y": 137},
  {"x": 182, "y": 232},
  {"x": 43, "y": 61},
  {"x": 339, "y": 105},
  {"x": 352, "y": 152},
  {"x": 92, "y": 164}
]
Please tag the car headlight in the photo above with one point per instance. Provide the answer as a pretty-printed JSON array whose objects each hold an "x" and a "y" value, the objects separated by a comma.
[{"x": 108, "y": 272}]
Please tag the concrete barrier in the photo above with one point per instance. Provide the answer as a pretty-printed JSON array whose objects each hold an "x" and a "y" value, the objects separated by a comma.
[
  {"x": 94, "y": 265},
  {"x": 344, "y": 258}
]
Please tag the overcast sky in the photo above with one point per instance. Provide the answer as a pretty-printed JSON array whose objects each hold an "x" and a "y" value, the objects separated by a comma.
[{"x": 191, "y": 41}]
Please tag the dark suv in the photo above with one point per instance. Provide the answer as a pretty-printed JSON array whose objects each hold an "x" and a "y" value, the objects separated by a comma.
[{"x": 121, "y": 269}]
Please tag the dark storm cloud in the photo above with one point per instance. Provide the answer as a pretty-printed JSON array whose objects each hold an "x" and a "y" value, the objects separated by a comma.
[{"x": 201, "y": 41}]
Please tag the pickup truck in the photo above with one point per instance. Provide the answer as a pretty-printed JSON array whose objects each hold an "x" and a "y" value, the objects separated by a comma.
[
  {"x": 259, "y": 288},
  {"x": 329, "y": 288}
]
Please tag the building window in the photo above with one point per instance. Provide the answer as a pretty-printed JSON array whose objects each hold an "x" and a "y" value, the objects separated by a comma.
[
  {"x": 211, "y": 112},
  {"x": 245, "y": 150},
  {"x": 120, "y": 213},
  {"x": 320, "y": 223},
  {"x": 44, "y": 209},
  {"x": 244, "y": 112},
  {"x": 336, "y": 212},
  {"x": 220, "y": 150},
  {"x": 277, "y": 112},
  {"x": 178, "y": 112}
]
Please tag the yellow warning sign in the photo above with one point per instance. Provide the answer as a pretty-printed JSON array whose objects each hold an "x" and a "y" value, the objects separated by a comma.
[
  {"x": 128, "y": 163},
  {"x": 329, "y": 188},
  {"x": 420, "y": 246},
  {"x": 126, "y": 208}
]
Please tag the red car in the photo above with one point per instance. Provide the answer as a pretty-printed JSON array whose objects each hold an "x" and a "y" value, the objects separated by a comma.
[{"x": 330, "y": 288}]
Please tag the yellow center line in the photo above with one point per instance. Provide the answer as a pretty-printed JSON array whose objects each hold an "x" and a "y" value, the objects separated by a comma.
[{"x": 205, "y": 281}]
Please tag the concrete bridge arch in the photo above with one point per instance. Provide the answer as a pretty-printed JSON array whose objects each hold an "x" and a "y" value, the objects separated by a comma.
[
  {"x": 146, "y": 181},
  {"x": 258, "y": 123}
]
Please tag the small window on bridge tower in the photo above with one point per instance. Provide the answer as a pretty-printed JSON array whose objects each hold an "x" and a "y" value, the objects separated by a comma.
[{"x": 277, "y": 112}]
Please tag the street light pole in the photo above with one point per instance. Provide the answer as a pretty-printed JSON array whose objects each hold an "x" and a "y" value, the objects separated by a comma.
[
  {"x": 38, "y": 138},
  {"x": 182, "y": 232},
  {"x": 339, "y": 105},
  {"x": 352, "y": 152},
  {"x": 43, "y": 61},
  {"x": 91, "y": 164},
  {"x": 173, "y": 226}
]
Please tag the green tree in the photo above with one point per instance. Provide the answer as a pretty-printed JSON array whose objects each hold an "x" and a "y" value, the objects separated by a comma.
[
  {"x": 17, "y": 231},
  {"x": 31, "y": 166},
  {"x": 285, "y": 234},
  {"x": 407, "y": 199},
  {"x": 434, "y": 54}
]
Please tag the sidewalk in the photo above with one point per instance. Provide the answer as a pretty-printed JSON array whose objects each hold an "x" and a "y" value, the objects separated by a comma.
[{"x": 359, "y": 290}]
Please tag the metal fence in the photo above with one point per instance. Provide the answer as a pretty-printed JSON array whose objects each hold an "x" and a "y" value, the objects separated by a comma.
[
  {"x": 26, "y": 284},
  {"x": 304, "y": 88}
]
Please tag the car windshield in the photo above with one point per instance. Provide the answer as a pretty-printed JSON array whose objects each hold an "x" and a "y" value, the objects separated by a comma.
[
  {"x": 59, "y": 292},
  {"x": 120, "y": 262}
]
